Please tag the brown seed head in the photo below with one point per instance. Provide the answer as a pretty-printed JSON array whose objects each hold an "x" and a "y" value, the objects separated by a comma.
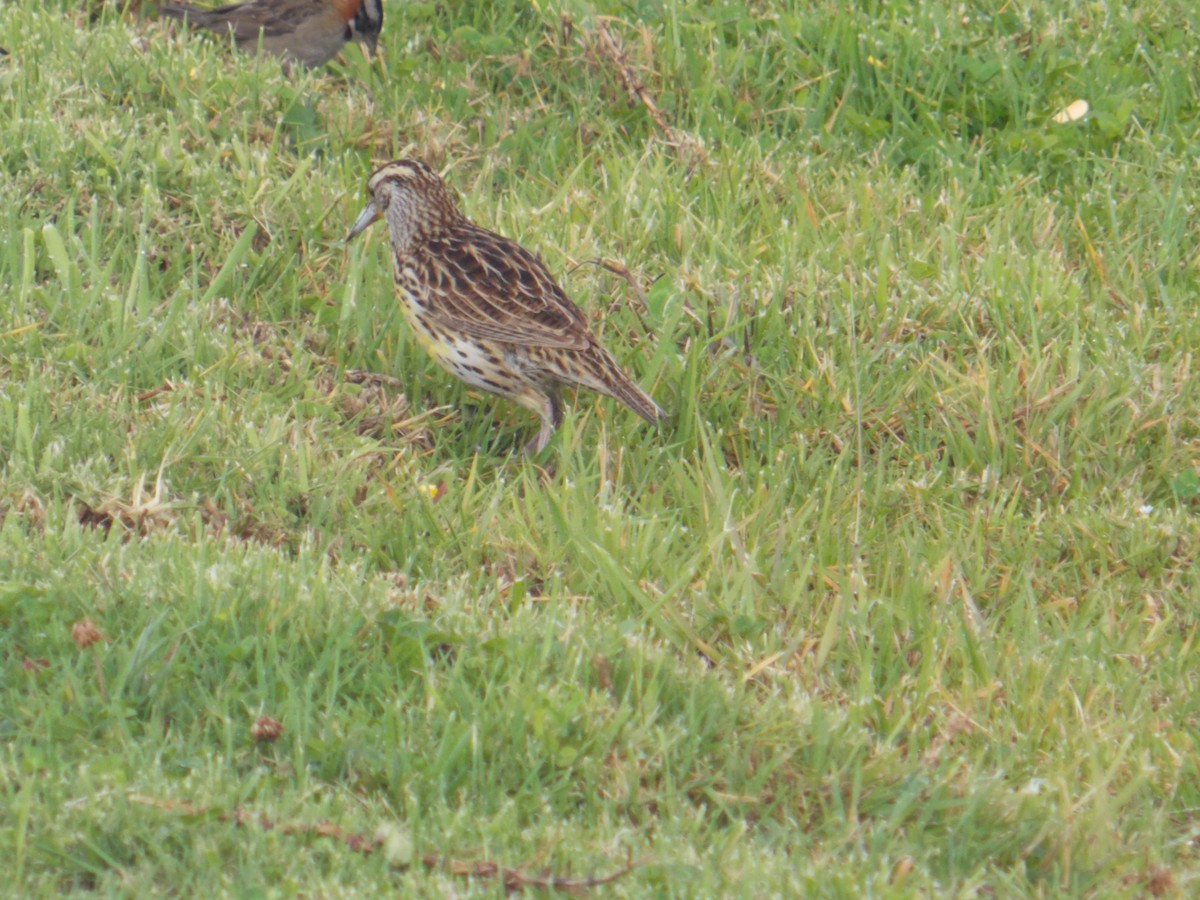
[
  {"x": 85, "y": 633},
  {"x": 266, "y": 730}
]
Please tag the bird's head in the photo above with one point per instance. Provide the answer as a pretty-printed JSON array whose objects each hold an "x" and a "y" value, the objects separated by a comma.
[
  {"x": 367, "y": 22},
  {"x": 413, "y": 200}
]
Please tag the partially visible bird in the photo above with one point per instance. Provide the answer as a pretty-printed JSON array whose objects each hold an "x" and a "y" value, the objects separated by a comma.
[
  {"x": 485, "y": 307},
  {"x": 311, "y": 32}
]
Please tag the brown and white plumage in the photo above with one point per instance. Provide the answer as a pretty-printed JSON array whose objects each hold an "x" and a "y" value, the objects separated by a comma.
[
  {"x": 485, "y": 307},
  {"x": 311, "y": 32}
]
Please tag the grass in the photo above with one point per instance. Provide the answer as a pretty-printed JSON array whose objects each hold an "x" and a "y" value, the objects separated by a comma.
[{"x": 903, "y": 602}]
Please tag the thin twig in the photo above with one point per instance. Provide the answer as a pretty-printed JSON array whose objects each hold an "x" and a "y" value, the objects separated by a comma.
[
  {"x": 610, "y": 48},
  {"x": 362, "y": 376},
  {"x": 512, "y": 879},
  {"x": 622, "y": 271}
]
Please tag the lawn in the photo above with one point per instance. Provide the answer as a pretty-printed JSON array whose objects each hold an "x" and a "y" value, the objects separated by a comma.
[{"x": 904, "y": 600}]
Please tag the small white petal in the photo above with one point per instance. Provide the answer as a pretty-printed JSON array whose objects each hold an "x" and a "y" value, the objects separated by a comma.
[{"x": 1072, "y": 112}]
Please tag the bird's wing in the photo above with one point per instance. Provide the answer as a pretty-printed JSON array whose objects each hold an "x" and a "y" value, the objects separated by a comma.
[
  {"x": 245, "y": 20},
  {"x": 486, "y": 286}
]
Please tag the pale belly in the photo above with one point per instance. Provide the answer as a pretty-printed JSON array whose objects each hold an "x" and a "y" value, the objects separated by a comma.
[{"x": 480, "y": 366}]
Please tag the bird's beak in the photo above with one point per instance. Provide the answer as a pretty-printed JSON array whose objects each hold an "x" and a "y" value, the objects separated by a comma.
[
  {"x": 371, "y": 40},
  {"x": 366, "y": 219}
]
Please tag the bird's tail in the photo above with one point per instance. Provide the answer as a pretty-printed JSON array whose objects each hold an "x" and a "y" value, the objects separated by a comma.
[{"x": 597, "y": 370}]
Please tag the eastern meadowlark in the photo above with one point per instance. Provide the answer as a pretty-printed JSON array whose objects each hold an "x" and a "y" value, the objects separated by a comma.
[{"x": 485, "y": 307}]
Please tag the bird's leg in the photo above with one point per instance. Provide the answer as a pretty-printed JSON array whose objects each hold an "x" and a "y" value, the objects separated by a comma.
[{"x": 551, "y": 413}]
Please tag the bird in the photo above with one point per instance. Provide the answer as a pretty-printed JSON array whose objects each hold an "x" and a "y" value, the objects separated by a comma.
[
  {"x": 485, "y": 308},
  {"x": 311, "y": 32}
]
